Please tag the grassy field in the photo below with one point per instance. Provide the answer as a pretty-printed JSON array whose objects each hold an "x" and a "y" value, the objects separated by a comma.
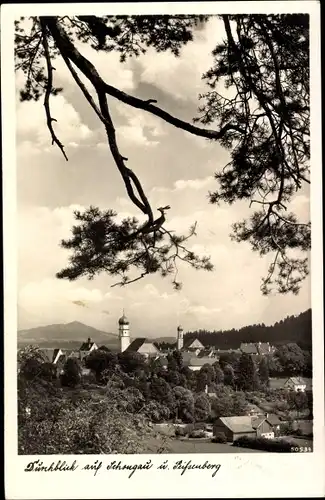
[
  {"x": 201, "y": 447},
  {"x": 301, "y": 443},
  {"x": 194, "y": 446}
]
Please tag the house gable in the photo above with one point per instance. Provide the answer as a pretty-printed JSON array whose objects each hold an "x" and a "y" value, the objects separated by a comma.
[
  {"x": 194, "y": 344},
  {"x": 148, "y": 348},
  {"x": 143, "y": 346},
  {"x": 296, "y": 383},
  {"x": 248, "y": 348}
]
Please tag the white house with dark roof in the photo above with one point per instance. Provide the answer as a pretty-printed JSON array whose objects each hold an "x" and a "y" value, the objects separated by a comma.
[
  {"x": 143, "y": 346},
  {"x": 86, "y": 348},
  {"x": 53, "y": 355},
  {"x": 297, "y": 384}
]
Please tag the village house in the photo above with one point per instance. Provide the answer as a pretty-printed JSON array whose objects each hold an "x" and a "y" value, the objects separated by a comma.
[
  {"x": 249, "y": 349},
  {"x": 254, "y": 410},
  {"x": 266, "y": 426},
  {"x": 53, "y": 355},
  {"x": 195, "y": 364},
  {"x": 257, "y": 349},
  {"x": 194, "y": 346},
  {"x": 263, "y": 427},
  {"x": 297, "y": 384},
  {"x": 143, "y": 346},
  {"x": 265, "y": 348},
  {"x": 86, "y": 348},
  {"x": 275, "y": 422},
  {"x": 206, "y": 353},
  {"x": 277, "y": 383},
  {"x": 234, "y": 427}
]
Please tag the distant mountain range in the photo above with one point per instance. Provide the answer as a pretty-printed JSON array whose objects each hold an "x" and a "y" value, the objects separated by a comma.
[{"x": 69, "y": 335}]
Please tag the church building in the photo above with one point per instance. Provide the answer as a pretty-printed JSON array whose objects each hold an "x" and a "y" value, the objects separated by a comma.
[{"x": 141, "y": 345}]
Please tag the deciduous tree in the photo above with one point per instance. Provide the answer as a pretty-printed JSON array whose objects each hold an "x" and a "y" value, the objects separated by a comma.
[
  {"x": 101, "y": 360},
  {"x": 229, "y": 375},
  {"x": 131, "y": 362},
  {"x": 246, "y": 379},
  {"x": 202, "y": 407},
  {"x": 291, "y": 358},
  {"x": 71, "y": 375},
  {"x": 263, "y": 371}
]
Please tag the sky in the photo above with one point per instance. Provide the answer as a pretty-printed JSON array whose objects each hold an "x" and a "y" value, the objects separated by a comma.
[{"x": 176, "y": 168}]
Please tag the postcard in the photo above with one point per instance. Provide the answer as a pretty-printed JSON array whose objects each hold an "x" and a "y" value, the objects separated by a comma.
[{"x": 162, "y": 187}]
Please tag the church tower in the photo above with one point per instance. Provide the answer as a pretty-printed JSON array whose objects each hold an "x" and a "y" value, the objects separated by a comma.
[
  {"x": 124, "y": 332},
  {"x": 180, "y": 337}
]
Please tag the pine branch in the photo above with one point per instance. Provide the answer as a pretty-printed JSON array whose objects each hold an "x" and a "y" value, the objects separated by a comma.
[
  {"x": 66, "y": 47},
  {"x": 49, "y": 87}
]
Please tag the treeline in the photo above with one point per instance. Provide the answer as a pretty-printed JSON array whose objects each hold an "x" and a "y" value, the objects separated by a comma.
[{"x": 293, "y": 329}]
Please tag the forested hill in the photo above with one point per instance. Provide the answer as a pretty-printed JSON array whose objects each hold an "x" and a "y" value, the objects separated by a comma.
[{"x": 295, "y": 329}]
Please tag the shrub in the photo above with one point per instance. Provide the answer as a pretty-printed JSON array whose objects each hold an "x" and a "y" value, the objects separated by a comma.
[
  {"x": 200, "y": 425},
  {"x": 180, "y": 432},
  {"x": 71, "y": 376},
  {"x": 189, "y": 428},
  {"x": 279, "y": 446},
  {"x": 220, "y": 437},
  {"x": 197, "y": 433}
]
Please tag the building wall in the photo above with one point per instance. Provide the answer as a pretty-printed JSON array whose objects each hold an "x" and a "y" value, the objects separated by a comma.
[
  {"x": 237, "y": 435},
  {"x": 124, "y": 336},
  {"x": 83, "y": 354},
  {"x": 195, "y": 368},
  {"x": 220, "y": 427},
  {"x": 265, "y": 430},
  {"x": 124, "y": 342},
  {"x": 268, "y": 435},
  {"x": 300, "y": 388},
  {"x": 230, "y": 435}
]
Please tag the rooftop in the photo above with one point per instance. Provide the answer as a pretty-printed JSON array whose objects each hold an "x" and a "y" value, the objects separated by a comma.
[
  {"x": 297, "y": 380},
  {"x": 238, "y": 424},
  {"x": 136, "y": 344},
  {"x": 86, "y": 346},
  {"x": 194, "y": 361},
  {"x": 248, "y": 348}
]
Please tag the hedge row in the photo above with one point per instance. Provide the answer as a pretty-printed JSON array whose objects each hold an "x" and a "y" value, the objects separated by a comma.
[{"x": 264, "y": 444}]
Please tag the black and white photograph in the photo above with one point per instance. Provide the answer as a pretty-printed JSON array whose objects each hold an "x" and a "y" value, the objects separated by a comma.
[{"x": 164, "y": 239}]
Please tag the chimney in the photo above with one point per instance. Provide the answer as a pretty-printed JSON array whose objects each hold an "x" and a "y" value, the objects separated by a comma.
[{"x": 89, "y": 340}]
